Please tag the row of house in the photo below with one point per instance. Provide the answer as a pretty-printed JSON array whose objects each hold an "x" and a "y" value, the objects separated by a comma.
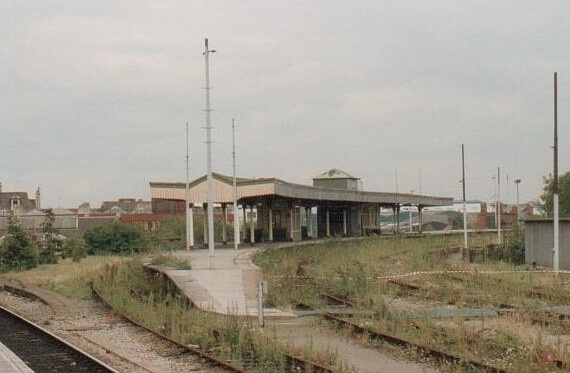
[
  {"x": 277, "y": 217},
  {"x": 147, "y": 214},
  {"x": 274, "y": 210},
  {"x": 74, "y": 221}
]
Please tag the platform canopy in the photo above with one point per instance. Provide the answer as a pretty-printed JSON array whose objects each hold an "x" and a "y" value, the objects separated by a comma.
[{"x": 250, "y": 190}]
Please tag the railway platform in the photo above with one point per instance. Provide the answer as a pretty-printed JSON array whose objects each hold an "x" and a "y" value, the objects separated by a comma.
[
  {"x": 10, "y": 363},
  {"x": 226, "y": 283}
]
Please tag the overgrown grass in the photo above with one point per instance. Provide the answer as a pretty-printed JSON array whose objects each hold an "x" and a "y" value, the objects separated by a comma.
[
  {"x": 67, "y": 277},
  {"x": 169, "y": 260},
  {"x": 131, "y": 290},
  {"x": 358, "y": 270}
]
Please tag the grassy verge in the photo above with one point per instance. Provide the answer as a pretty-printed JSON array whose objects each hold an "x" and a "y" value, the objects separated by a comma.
[{"x": 66, "y": 277}]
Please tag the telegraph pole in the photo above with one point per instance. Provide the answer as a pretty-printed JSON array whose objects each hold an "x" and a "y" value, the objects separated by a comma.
[
  {"x": 210, "y": 187},
  {"x": 556, "y": 249},
  {"x": 499, "y": 205},
  {"x": 465, "y": 246},
  {"x": 189, "y": 216},
  {"x": 517, "y": 182},
  {"x": 236, "y": 215}
]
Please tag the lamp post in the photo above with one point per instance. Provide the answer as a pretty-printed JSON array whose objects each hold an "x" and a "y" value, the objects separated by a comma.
[
  {"x": 499, "y": 205},
  {"x": 189, "y": 214},
  {"x": 517, "y": 182},
  {"x": 210, "y": 187},
  {"x": 556, "y": 248},
  {"x": 236, "y": 216},
  {"x": 465, "y": 244}
]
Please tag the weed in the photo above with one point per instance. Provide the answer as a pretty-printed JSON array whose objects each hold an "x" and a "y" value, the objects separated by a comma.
[{"x": 169, "y": 260}]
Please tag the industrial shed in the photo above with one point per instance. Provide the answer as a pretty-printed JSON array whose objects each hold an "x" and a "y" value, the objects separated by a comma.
[
  {"x": 284, "y": 211},
  {"x": 539, "y": 242}
]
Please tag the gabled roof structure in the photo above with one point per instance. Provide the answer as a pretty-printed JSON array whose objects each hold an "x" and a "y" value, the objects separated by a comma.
[
  {"x": 335, "y": 173},
  {"x": 284, "y": 210},
  {"x": 252, "y": 188}
]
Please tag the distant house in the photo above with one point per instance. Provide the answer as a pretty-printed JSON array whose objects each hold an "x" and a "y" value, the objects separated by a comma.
[
  {"x": 146, "y": 222},
  {"x": 64, "y": 219},
  {"x": 18, "y": 202},
  {"x": 126, "y": 205}
]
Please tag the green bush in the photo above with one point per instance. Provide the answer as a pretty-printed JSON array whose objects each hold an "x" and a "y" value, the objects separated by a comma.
[
  {"x": 515, "y": 244},
  {"x": 75, "y": 247},
  {"x": 114, "y": 238},
  {"x": 49, "y": 243},
  {"x": 17, "y": 249}
]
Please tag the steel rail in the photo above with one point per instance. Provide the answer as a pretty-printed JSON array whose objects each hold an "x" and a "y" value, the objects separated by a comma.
[
  {"x": 51, "y": 361},
  {"x": 196, "y": 351},
  {"x": 296, "y": 362}
]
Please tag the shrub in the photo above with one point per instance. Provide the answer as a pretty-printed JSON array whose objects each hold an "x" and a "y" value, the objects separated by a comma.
[
  {"x": 49, "y": 244},
  {"x": 75, "y": 247},
  {"x": 114, "y": 238},
  {"x": 17, "y": 249},
  {"x": 515, "y": 244}
]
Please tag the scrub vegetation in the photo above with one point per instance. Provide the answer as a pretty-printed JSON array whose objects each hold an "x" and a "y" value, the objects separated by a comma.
[
  {"x": 498, "y": 312},
  {"x": 132, "y": 290}
]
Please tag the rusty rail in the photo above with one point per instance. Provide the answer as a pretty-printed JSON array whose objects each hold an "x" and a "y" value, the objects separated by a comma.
[{"x": 209, "y": 357}]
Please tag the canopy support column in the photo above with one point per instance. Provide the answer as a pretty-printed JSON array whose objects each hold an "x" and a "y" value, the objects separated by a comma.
[
  {"x": 251, "y": 227},
  {"x": 270, "y": 224},
  {"x": 224, "y": 233}
]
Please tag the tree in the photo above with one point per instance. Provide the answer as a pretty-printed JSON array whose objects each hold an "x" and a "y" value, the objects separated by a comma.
[
  {"x": 547, "y": 197},
  {"x": 114, "y": 238},
  {"x": 50, "y": 244},
  {"x": 17, "y": 249}
]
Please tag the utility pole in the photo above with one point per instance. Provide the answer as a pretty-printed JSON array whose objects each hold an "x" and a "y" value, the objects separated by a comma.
[
  {"x": 210, "y": 186},
  {"x": 517, "y": 182},
  {"x": 465, "y": 246},
  {"x": 189, "y": 216},
  {"x": 556, "y": 249},
  {"x": 499, "y": 205},
  {"x": 236, "y": 215}
]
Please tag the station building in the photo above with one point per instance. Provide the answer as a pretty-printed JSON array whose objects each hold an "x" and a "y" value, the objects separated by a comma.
[{"x": 276, "y": 210}]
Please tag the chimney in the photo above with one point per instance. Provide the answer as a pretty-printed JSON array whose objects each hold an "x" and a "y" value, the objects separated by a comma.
[{"x": 38, "y": 199}]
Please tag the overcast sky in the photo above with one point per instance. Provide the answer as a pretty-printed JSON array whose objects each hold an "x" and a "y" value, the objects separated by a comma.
[{"x": 95, "y": 94}]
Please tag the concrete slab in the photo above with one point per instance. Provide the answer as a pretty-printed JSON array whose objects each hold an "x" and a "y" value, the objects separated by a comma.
[
  {"x": 226, "y": 283},
  {"x": 10, "y": 363}
]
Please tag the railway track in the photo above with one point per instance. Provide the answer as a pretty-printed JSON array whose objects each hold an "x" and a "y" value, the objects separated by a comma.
[
  {"x": 42, "y": 351},
  {"x": 437, "y": 355},
  {"x": 548, "y": 318},
  {"x": 544, "y": 317},
  {"x": 295, "y": 363}
]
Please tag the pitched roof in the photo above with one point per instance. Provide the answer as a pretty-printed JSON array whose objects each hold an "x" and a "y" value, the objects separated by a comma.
[
  {"x": 254, "y": 188},
  {"x": 335, "y": 173}
]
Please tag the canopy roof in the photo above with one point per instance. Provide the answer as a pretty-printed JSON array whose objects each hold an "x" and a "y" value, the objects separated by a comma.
[{"x": 257, "y": 188}]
